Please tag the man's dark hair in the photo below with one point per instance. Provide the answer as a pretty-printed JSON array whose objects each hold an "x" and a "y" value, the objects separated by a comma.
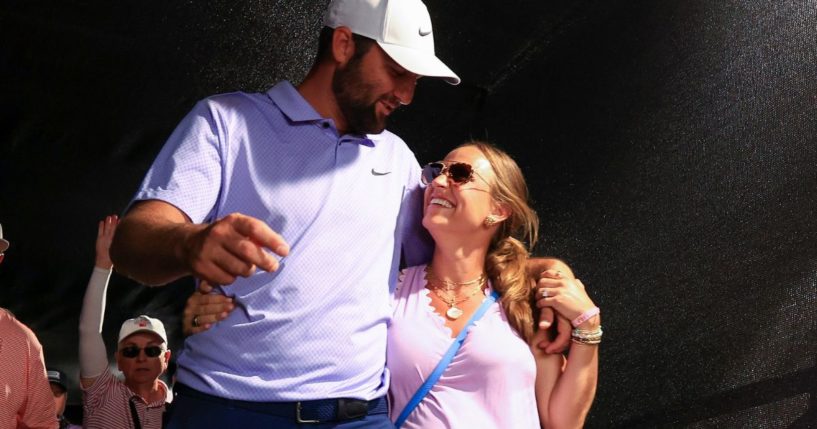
[{"x": 362, "y": 45}]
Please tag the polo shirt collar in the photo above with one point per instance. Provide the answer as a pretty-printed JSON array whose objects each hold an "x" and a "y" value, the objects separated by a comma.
[
  {"x": 297, "y": 109},
  {"x": 292, "y": 103}
]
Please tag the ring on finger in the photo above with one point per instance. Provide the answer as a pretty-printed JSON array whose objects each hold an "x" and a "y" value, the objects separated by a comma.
[
  {"x": 196, "y": 321},
  {"x": 543, "y": 292}
]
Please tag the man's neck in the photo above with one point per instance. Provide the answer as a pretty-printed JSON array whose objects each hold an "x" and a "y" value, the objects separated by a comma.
[{"x": 316, "y": 89}]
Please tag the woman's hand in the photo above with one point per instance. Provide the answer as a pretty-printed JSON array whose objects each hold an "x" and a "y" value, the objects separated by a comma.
[
  {"x": 104, "y": 236},
  {"x": 566, "y": 296},
  {"x": 204, "y": 309},
  {"x": 558, "y": 338}
]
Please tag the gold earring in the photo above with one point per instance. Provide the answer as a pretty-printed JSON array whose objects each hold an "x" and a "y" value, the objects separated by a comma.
[{"x": 490, "y": 220}]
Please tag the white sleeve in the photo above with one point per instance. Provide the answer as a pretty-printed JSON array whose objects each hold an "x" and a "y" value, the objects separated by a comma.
[{"x": 93, "y": 357}]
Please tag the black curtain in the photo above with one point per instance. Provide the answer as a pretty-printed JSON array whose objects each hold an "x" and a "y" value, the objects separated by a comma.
[{"x": 669, "y": 146}]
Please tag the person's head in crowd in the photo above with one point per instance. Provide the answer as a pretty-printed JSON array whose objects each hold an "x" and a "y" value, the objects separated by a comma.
[
  {"x": 142, "y": 354},
  {"x": 59, "y": 387},
  {"x": 4, "y": 245},
  {"x": 373, "y": 52},
  {"x": 477, "y": 199}
]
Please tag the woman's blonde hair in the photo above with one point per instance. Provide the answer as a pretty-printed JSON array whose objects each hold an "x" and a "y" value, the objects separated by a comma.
[{"x": 506, "y": 263}]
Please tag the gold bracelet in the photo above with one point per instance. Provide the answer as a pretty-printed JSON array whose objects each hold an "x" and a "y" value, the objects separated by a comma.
[{"x": 593, "y": 342}]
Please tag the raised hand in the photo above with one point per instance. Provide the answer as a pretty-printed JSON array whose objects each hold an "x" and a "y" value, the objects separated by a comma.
[{"x": 104, "y": 236}]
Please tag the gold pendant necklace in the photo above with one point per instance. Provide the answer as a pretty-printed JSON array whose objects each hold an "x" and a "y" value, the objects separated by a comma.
[{"x": 450, "y": 287}]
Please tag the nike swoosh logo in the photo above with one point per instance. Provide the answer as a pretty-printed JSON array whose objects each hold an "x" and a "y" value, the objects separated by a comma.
[
  {"x": 377, "y": 173},
  {"x": 424, "y": 33}
]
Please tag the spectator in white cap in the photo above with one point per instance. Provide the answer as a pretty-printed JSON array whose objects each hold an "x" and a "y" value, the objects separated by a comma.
[
  {"x": 25, "y": 398},
  {"x": 307, "y": 168},
  {"x": 137, "y": 401}
]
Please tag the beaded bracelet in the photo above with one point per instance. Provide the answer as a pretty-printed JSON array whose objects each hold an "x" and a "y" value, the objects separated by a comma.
[
  {"x": 584, "y": 317},
  {"x": 586, "y": 337},
  {"x": 587, "y": 334}
]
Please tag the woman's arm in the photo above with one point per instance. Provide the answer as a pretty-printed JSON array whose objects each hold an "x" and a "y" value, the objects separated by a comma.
[
  {"x": 93, "y": 357},
  {"x": 548, "y": 371},
  {"x": 566, "y": 389},
  {"x": 575, "y": 389}
]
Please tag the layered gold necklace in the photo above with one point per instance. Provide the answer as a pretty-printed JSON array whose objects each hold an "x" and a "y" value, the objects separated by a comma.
[{"x": 449, "y": 291}]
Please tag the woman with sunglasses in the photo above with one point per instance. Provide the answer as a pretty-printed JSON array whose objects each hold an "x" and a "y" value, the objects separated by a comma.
[
  {"x": 142, "y": 356},
  {"x": 476, "y": 210}
]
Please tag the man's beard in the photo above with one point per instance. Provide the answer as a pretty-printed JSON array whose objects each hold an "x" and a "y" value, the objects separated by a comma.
[{"x": 352, "y": 93}]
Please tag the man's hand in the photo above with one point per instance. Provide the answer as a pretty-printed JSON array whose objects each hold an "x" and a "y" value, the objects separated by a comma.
[
  {"x": 157, "y": 243},
  {"x": 232, "y": 247}
]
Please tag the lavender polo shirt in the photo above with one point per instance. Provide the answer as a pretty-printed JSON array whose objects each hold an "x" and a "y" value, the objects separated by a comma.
[{"x": 346, "y": 205}]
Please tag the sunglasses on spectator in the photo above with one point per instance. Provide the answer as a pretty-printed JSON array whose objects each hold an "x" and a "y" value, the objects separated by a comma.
[
  {"x": 133, "y": 351},
  {"x": 458, "y": 172}
]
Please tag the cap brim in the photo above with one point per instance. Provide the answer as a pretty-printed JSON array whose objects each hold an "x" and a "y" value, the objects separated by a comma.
[
  {"x": 138, "y": 331},
  {"x": 58, "y": 383},
  {"x": 419, "y": 62},
  {"x": 4, "y": 245}
]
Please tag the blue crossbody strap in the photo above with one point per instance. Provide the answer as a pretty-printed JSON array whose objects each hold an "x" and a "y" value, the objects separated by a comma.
[{"x": 449, "y": 355}]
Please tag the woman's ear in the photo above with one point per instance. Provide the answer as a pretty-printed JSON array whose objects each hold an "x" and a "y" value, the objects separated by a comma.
[{"x": 499, "y": 212}]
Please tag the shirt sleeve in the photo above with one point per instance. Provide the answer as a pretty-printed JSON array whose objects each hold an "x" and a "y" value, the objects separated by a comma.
[
  {"x": 93, "y": 356},
  {"x": 416, "y": 243},
  {"x": 187, "y": 173},
  {"x": 40, "y": 410},
  {"x": 95, "y": 396}
]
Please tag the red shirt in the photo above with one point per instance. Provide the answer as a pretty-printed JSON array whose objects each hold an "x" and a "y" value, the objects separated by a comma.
[
  {"x": 106, "y": 404},
  {"x": 26, "y": 400}
]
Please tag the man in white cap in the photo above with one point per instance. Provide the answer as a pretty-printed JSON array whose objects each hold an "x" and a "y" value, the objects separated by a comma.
[
  {"x": 25, "y": 397},
  {"x": 307, "y": 169},
  {"x": 309, "y": 172},
  {"x": 142, "y": 356}
]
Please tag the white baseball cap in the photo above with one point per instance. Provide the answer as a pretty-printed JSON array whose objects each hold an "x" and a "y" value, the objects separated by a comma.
[
  {"x": 4, "y": 244},
  {"x": 142, "y": 324},
  {"x": 401, "y": 27}
]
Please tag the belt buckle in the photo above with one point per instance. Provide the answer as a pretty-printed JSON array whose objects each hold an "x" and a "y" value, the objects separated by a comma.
[{"x": 298, "y": 418}]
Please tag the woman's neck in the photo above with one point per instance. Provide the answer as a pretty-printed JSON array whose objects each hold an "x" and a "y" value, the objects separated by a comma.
[
  {"x": 457, "y": 263},
  {"x": 150, "y": 392}
]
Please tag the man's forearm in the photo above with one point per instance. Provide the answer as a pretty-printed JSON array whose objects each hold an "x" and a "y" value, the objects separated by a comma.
[{"x": 149, "y": 245}]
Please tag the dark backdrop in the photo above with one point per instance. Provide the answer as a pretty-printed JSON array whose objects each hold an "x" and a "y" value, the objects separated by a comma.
[{"x": 670, "y": 147}]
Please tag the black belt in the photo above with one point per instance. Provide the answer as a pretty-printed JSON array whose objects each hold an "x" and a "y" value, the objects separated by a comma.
[{"x": 317, "y": 411}]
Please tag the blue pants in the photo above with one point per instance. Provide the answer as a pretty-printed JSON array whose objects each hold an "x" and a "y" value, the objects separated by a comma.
[{"x": 198, "y": 411}]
